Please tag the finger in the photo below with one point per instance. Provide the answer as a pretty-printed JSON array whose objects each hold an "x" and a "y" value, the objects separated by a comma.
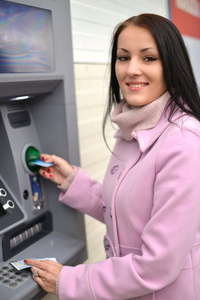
[
  {"x": 43, "y": 281},
  {"x": 47, "y": 158},
  {"x": 39, "y": 280},
  {"x": 44, "y": 264},
  {"x": 37, "y": 272},
  {"x": 49, "y": 288},
  {"x": 45, "y": 173},
  {"x": 33, "y": 262}
]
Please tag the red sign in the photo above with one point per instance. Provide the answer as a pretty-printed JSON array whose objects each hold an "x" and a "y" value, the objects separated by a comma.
[{"x": 185, "y": 14}]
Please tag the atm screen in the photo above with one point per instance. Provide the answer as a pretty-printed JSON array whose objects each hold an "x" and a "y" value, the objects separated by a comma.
[{"x": 26, "y": 39}]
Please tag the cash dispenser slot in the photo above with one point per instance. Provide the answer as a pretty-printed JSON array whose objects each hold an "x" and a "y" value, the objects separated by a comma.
[{"x": 20, "y": 238}]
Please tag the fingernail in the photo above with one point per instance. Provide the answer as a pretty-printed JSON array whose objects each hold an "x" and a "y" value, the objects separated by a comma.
[
  {"x": 43, "y": 173},
  {"x": 49, "y": 170},
  {"x": 25, "y": 261},
  {"x": 50, "y": 175}
]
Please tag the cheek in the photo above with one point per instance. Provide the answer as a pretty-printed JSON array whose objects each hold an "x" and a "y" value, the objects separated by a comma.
[
  {"x": 119, "y": 72},
  {"x": 161, "y": 77},
  {"x": 162, "y": 81},
  {"x": 158, "y": 77}
]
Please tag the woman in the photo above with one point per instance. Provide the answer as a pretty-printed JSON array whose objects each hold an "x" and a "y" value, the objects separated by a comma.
[{"x": 151, "y": 206}]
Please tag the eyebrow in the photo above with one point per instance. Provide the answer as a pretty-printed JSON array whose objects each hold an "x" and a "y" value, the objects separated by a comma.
[{"x": 141, "y": 50}]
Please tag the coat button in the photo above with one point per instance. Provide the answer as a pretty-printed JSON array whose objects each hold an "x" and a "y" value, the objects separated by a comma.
[
  {"x": 106, "y": 244},
  {"x": 114, "y": 169},
  {"x": 107, "y": 247},
  {"x": 103, "y": 206}
]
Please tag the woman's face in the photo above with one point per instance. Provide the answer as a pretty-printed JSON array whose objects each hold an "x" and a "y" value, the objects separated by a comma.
[{"x": 138, "y": 66}]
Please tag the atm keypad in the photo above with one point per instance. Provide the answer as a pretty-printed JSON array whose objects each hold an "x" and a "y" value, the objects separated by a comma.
[{"x": 13, "y": 278}]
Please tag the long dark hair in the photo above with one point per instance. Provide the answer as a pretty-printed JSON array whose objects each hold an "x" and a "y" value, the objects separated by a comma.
[{"x": 178, "y": 72}]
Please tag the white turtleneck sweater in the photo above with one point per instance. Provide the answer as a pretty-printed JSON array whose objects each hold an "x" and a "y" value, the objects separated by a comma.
[{"x": 130, "y": 118}]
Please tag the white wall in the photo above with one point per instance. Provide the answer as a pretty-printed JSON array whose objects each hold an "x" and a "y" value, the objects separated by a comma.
[{"x": 93, "y": 22}]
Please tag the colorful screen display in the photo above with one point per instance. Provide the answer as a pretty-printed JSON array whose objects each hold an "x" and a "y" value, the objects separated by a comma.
[{"x": 26, "y": 39}]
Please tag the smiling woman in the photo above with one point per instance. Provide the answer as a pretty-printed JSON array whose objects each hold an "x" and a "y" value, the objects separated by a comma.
[{"x": 150, "y": 193}]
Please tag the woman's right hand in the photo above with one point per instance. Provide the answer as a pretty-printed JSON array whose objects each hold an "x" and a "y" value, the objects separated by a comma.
[{"x": 58, "y": 172}]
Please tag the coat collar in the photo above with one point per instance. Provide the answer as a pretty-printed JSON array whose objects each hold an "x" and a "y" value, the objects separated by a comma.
[{"x": 147, "y": 137}]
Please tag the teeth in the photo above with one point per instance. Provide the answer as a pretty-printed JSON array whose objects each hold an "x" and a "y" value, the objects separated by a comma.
[{"x": 137, "y": 85}]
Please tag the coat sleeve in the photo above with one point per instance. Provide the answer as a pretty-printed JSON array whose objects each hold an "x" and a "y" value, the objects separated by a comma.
[
  {"x": 167, "y": 237},
  {"x": 84, "y": 194}
]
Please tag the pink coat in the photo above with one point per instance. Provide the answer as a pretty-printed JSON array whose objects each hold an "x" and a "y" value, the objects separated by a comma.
[{"x": 150, "y": 202}]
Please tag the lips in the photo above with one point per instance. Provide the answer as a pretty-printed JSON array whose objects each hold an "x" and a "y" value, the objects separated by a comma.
[{"x": 136, "y": 85}]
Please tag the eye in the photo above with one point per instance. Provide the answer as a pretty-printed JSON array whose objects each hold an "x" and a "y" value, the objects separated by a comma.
[
  {"x": 150, "y": 58},
  {"x": 122, "y": 58}
]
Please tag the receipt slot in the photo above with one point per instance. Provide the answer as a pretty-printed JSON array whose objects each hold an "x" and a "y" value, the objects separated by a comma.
[{"x": 37, "y": 115}]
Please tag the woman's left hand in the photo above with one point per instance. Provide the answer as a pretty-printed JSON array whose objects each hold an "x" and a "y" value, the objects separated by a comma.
[{"x": 45, "y": 273}]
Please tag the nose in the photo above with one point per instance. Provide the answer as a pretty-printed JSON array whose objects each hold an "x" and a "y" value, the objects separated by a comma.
[{"x": 134, "y": 68}]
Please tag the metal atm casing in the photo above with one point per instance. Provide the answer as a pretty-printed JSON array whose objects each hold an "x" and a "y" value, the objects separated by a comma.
[{"x": 48, "y": 122}]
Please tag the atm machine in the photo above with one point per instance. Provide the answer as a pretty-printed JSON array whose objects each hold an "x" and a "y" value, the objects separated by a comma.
[{"x": 37, "y": 115}]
